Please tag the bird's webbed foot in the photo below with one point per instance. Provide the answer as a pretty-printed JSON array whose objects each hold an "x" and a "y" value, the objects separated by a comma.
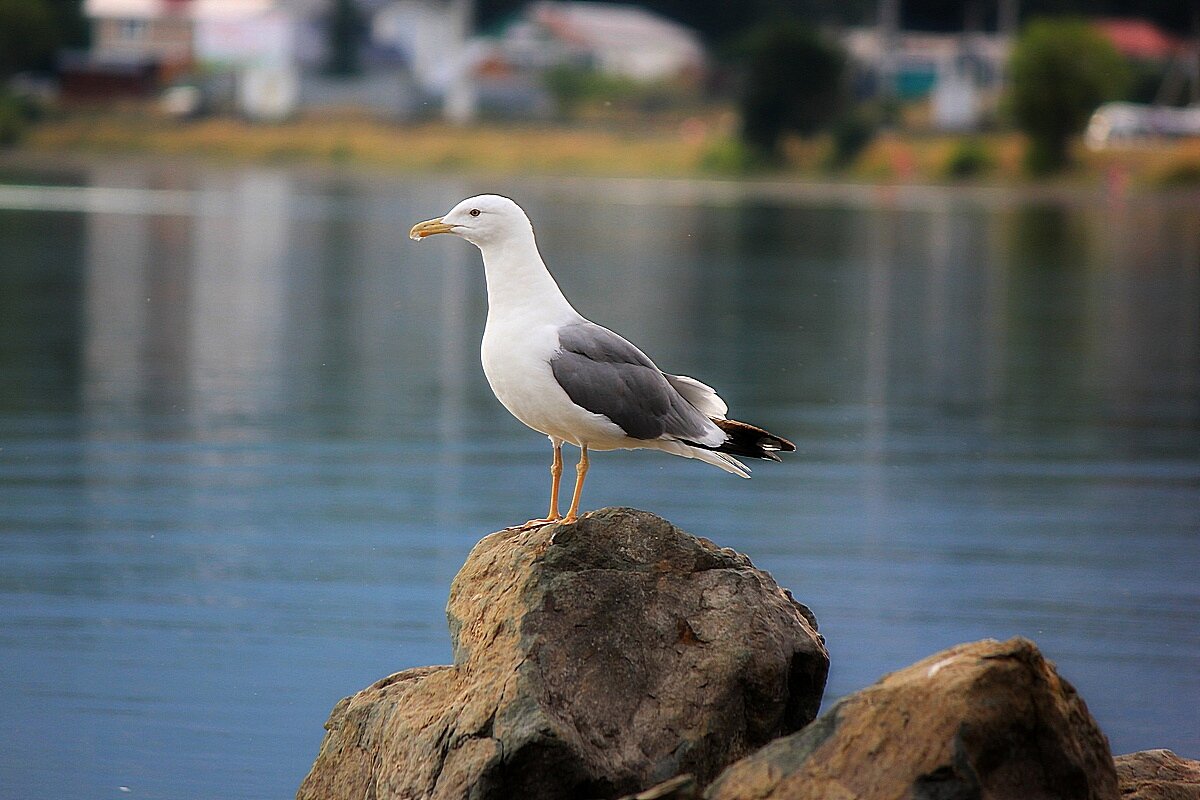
[{"x": 533, "y": 523}]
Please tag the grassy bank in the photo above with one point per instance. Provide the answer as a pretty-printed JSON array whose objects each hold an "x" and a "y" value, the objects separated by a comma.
[
  {"x": 364, "y": 141},
  {"x": 682, "y": 148}
]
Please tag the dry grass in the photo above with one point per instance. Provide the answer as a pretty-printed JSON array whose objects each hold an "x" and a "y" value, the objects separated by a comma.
[
  {"x": 906, "y": 158},
  {"x": 501, "y": 149},
  {"x": 668, "y": 148},
  {"x": 1174, "y": 163}
]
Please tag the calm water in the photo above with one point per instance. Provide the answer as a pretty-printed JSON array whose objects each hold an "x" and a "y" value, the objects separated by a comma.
[{"x": 245, "y": 443}]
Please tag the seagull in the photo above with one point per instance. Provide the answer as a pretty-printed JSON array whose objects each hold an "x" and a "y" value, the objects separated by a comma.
[{"x": 573, "y": 380}]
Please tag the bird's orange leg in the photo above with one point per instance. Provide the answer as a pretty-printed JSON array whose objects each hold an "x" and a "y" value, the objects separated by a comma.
[
  {"x": 556, "y": 468},
  {"x": 580, "y": 472},
  {"x": 555, "y": 476}
]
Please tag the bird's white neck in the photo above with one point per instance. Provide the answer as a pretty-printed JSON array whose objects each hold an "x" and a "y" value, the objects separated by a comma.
[{"x": 518, "y": 281}]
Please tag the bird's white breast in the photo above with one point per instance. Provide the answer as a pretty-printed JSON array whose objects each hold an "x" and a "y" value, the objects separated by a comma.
[
  {"x": 516, "y": 354},
  {"x": 525, "y": 310}
]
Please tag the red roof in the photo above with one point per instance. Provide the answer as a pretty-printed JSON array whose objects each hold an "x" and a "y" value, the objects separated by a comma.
[{"x": 1138, "y": 38}]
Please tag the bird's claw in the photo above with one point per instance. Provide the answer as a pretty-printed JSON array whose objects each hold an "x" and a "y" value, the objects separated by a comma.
[
  {"x": 543, "y": 522},
  {"x": 534, "y": 523}
]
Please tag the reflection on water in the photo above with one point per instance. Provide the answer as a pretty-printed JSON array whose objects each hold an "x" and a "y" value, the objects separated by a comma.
[{"x": 245, "y": 442}]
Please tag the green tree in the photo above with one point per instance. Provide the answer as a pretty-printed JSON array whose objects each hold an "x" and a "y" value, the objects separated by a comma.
[
  {"x": 28, "y": 36},
  {"x": 1061, "y": 70},
  {"x": 794, "y": 83}
]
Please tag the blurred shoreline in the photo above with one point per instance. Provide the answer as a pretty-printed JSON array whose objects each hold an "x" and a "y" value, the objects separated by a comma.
[
  {"x": 39, "y": 182},
  {"x": 649, "y": 167}
]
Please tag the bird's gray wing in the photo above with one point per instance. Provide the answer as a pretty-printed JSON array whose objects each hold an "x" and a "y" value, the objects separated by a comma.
[{"x": 607, "y": 375}]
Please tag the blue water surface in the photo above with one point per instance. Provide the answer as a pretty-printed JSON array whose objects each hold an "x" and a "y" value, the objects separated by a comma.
[{"x": 245, "y": 442}]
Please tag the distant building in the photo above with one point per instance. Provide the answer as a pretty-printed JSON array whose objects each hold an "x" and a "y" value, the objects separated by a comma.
[
  {"x": 178, "y": 34},
  {"x": 1128, "y": 123},
  {"x": 504, "y": 74},
  {"x": 1175, "y": 59},
  {"x": 428, "y": 36},
  {"x": 142, "y": 30},
  {"x": 267, "y": 56},
  {"x": 620, "y": 40},
  {"x": 1140, "y": 39},
  {"x": 959, "y": 73},
  {"x": 256, "y": 41},
  {"x": 137, "y": 45}
]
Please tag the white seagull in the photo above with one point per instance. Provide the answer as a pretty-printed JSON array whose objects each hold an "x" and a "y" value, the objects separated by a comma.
[{"x": 574, "y": 380}]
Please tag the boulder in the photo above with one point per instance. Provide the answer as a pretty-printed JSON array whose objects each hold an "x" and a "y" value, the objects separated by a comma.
[
  {"x": 1158, "y": 775},
  {"x": 982, "y": 720},
  {"x": 591, "y": 659}
]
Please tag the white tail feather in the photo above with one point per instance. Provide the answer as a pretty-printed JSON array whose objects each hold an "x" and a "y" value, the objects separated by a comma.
[
  {"x": 722, "y": 460},
  {"x": 703, "y": 397}
]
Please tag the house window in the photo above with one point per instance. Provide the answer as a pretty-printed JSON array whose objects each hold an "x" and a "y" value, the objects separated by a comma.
[{"x": 131, "y": 30}]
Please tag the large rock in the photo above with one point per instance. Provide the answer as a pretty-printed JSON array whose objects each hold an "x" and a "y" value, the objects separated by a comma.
[
  {"x": 1158, "y": 775},
  {"x": 620, "y": 654},
  {"x": 982, "y": 720}
]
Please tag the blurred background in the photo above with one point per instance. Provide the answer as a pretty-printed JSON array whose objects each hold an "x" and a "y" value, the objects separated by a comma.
[
  {"x": 868, "y": 89},
  {"x": 951, "y": 249}
]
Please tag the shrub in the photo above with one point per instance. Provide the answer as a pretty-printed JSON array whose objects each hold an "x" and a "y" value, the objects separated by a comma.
[
  {"x": 851, "y": 135},
  {"x": 970, "y": 158},
  {"x": 16, "y": 114},
  {"x": 1060, "y": 70},
  {"x": 1183, "y": 174},
  {"x": 729, "y": 156}
]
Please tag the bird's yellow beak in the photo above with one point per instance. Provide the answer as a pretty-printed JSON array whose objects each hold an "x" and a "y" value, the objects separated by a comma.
[{"x": 428, "y": 228}]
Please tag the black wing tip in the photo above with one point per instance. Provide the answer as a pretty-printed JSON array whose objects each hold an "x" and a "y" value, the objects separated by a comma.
[
  {"x": 744, "y": 439},
  {"x": 779, "y": 443}
]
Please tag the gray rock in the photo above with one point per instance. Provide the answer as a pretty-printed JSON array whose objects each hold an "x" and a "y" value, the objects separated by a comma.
[
  {"x": 1158, "y": 775},
  {"x": 982, "y": 720},
  {"x": 622, "y": 654}
]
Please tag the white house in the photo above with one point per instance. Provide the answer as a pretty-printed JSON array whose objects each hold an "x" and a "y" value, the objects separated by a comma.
[
  {"x": 185, "y": 32},
  {"x": 430, "y": 35},
  {"x": 959, "y": 73},
  {"x": 256, "y": 40},
  {"x": 503, "y": 74},
  {"x": 620, "y": 39}
]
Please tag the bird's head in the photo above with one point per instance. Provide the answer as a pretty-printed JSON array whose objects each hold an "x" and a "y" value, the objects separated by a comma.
[{"x": 481, "y": 220}]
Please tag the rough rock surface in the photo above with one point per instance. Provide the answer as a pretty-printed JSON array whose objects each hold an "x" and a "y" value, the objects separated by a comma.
[
  {"x": 982, "y": 720},
  {"x": 621, "y": 654},
  {"x": 1158, "y": 775}
]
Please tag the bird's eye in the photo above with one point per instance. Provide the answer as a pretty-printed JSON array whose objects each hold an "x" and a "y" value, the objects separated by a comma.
[{"x": 474, "y": 212}]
